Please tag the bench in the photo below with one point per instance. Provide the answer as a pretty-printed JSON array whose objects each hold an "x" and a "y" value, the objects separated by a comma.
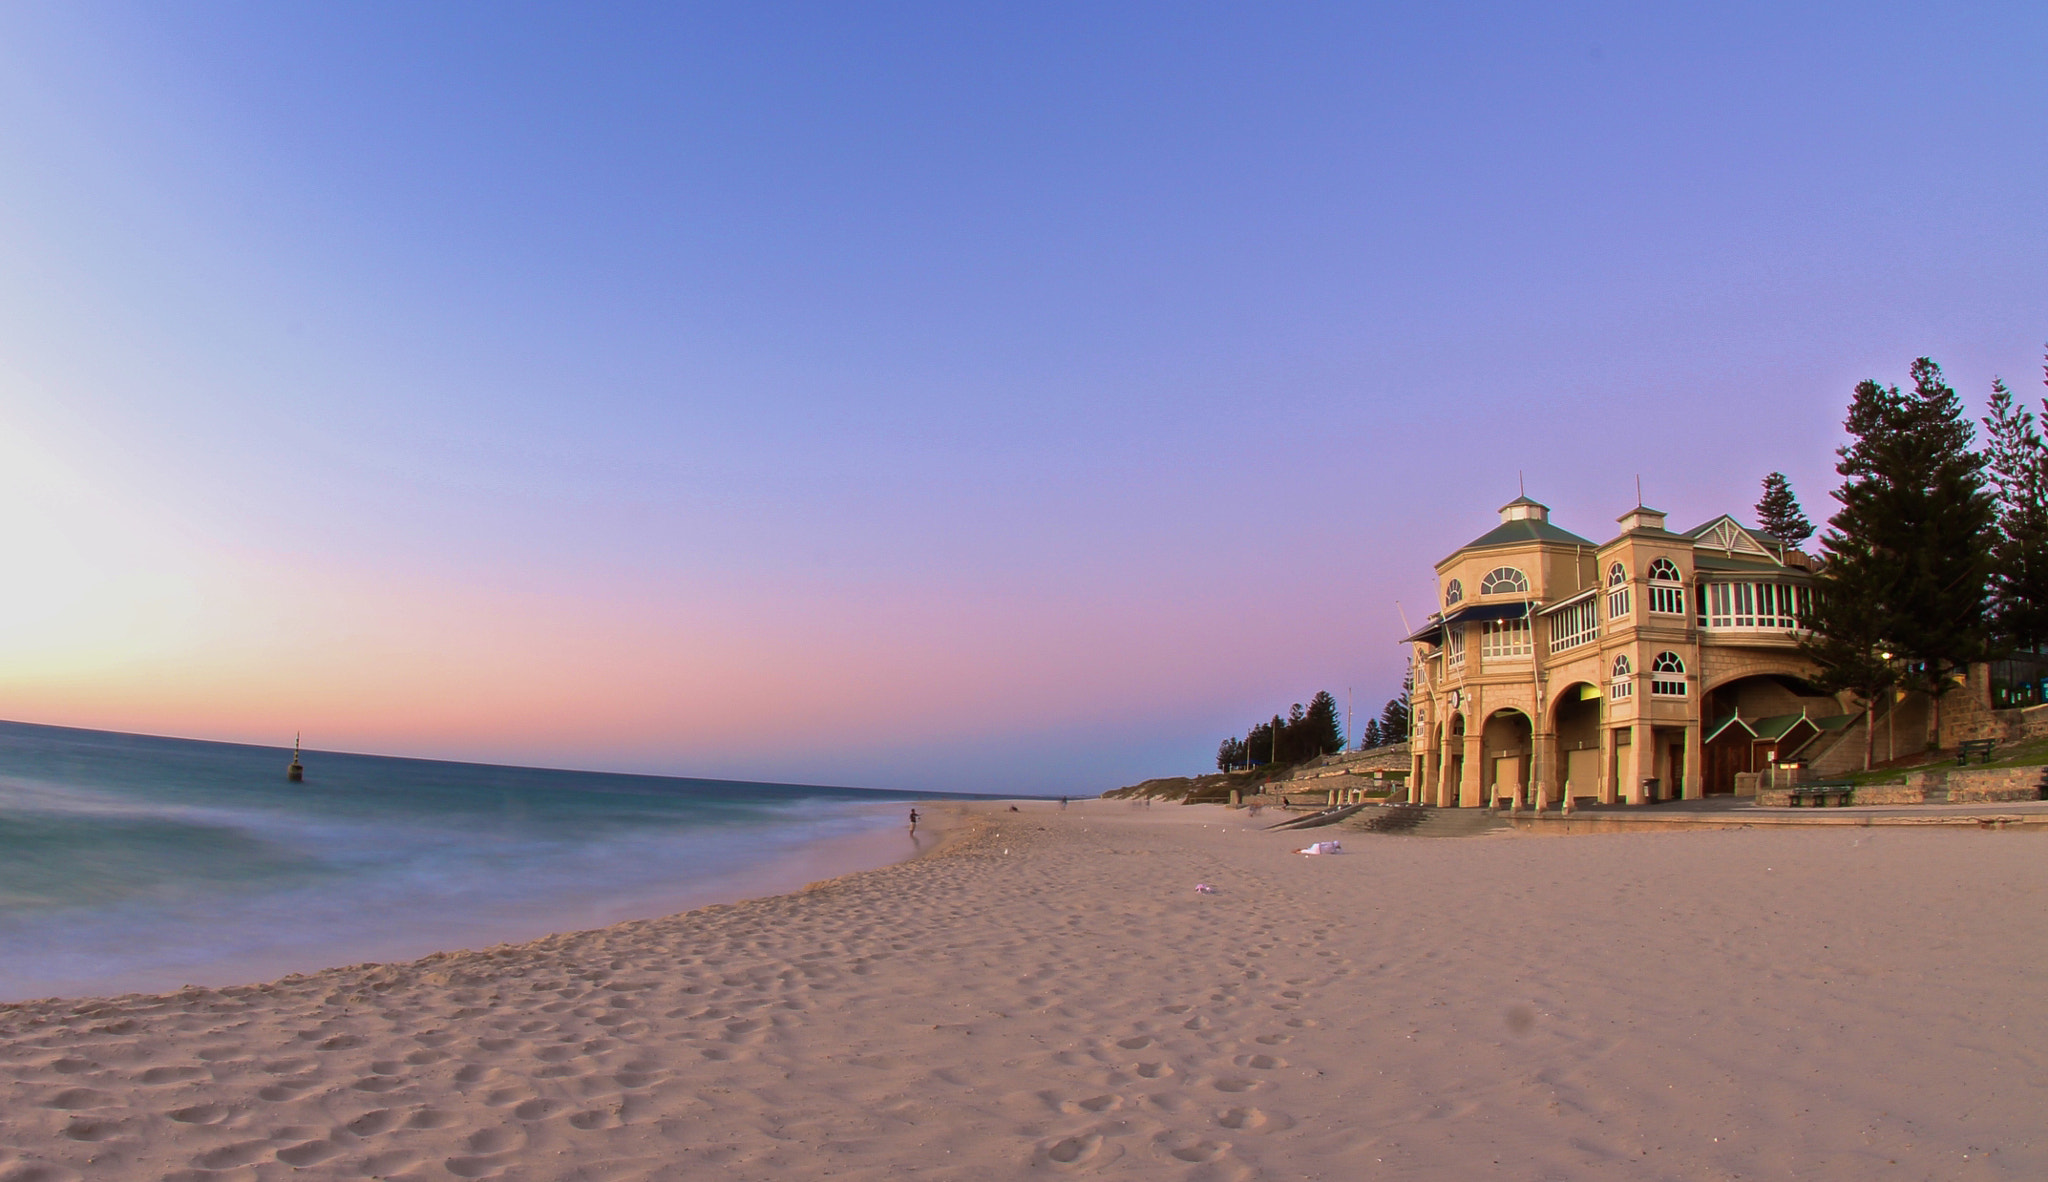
[
  {"x": 1981, "y": 748},
  {"x": 1819, "y": 793}
]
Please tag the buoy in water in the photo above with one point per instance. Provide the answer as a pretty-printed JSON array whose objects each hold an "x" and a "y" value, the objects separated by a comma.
[{"x": 296, "y": 773}]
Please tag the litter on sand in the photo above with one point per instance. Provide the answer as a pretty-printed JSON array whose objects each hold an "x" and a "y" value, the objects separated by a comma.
[
  {"x": 1203, "y": 888},
  {"x": 1322, "y": 847}
]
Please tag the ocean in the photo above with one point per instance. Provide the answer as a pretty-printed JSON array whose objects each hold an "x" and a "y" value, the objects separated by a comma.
[{"x": 136, "y": 863}]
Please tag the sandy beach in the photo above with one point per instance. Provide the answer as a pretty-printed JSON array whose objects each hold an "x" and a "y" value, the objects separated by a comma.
[{"x": 1047, "y": 995}]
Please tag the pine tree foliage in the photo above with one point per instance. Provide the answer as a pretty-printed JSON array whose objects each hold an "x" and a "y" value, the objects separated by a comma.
[
  {"x": 1908, "y": 553},
  {"x": 2016, "y": 462},
  {"x": 1394, "y": 720},
  {"x": 1779, "y": 514}
]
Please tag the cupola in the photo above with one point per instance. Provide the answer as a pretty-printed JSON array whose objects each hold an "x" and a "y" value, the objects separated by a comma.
[{"x": 1641, "y": 517}]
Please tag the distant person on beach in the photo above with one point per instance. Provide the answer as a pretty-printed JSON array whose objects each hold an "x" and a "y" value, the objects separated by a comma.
[
  {"x": 1063, "y": 803},
  {"x": 913, "y": 822}
]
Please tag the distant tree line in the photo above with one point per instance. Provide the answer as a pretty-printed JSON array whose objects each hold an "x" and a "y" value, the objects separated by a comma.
[
  {"x": 1305, "y": 733},
  {"x": 1938, "y": 556}
]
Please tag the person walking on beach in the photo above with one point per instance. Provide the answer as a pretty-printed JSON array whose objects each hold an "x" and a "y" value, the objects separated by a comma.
[{"x": 913, "y": 822}]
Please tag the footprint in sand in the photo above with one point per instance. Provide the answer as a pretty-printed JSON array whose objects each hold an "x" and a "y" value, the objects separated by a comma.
[
  {"x": 72, "y": 1099},
  {"x": 1253, "y": 1120},
  {"x": 535, "y": 1109},
  {"x": 1200, "y": 1151},
  {"x": 1273, "y": 1040},
  {"x": 428, "y": 1118},
  {"x": 1260, "y": 1062},
  {"x": 1093, "y": 1104},
  {"x": 1073, "y": 1151},
  {"x": 308, "y": 1153},
  {"x": 1233, "y": 1084},
  {"x": 38, "y": 1172},
  {"x": 373, "y": 1122},
  {"x": 199, "y": 1114},
  {"x": 1136, "y": 1042},
  {"x": 1153, "y": 1070},
  {"x": 81, "y": 1129},
  {"x": 227, "y": 1157},
  {"x": 383, "y": 1165}
]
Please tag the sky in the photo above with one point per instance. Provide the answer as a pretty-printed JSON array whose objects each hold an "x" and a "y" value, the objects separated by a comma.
[{"x": 940, "y": 396}]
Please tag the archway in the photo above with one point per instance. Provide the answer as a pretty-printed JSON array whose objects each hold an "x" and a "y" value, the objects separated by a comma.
[
  {"x": 1754, "y": 721},
  {"x": 1575, "y": 720},
  {"x": 1505, "y": 745}
]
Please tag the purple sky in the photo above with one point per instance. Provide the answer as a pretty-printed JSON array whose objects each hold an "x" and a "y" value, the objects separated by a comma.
[{"x": 948, "y": 396}]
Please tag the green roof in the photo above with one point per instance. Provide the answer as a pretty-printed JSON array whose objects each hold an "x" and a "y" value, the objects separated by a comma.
[{"x": 1523, "y": 531}]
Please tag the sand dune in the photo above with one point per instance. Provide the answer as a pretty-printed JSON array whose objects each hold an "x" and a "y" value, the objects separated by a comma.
[{"x": 1050, "y": 997}]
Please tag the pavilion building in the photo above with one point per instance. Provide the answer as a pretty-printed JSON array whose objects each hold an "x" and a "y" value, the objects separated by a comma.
[{"x": 1652, "y": 666}]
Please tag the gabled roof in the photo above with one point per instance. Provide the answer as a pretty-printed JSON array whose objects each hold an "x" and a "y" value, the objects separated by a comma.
[{"x": 1730, "y": 536}]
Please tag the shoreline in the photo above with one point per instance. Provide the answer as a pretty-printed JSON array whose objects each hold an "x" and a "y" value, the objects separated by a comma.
[
  {"x": 785, "y": 873},
  {"x": 1043, "y": 992}
]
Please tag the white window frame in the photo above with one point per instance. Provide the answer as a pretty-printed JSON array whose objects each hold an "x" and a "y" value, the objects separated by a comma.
[
  {"x": 1575, "y": 625},
  {"x": 1504, "y": 580},
  {"x": 1454, "y": 592},
  {"x": 1505, "y": 640},
  {"x": 1617, "y": 593},
  {"x": 1667, "y": 663},
  {"x": 1623, "y": 684},
  {"x": 1667, "y": 589},
  {"x": 1755, "y": 606}
]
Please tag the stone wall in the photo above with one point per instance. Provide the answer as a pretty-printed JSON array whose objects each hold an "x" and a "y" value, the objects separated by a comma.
[
  {"x": 1956, "y": 785},
  {"x": 1995, "y": 784}
]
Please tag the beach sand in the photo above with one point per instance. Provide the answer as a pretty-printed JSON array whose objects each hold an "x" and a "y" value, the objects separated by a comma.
[{"x": 1048, "y": 996}]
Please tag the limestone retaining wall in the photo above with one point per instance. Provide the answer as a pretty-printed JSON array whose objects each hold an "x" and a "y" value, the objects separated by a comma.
[{"x": 1964, "y": 786}]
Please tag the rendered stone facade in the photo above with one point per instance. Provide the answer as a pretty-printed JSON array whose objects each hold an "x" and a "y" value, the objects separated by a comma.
[{"x": 1647, "y": 667}]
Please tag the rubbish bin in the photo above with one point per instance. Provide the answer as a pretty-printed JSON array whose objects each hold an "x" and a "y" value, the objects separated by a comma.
[{"x": 1649, "y": 788}]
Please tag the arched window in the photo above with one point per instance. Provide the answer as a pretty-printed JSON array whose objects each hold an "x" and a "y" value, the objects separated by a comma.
[
  {"x": 1617, "y": 591},
  {"x": 1667, "y": 588},
  {"x": 1453, "y": 592},
  {"x": 1667, "y": 676},
  {"x": 1622, "y": 686},
  {"x": 1503, "y": 580}
]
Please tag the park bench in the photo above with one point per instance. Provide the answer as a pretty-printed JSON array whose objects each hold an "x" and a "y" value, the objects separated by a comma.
[
  {"x": 1818, "y": 794},
  {"x": 1981, "y": 748}
]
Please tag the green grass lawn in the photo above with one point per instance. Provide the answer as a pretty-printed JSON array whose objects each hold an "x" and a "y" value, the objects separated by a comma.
[{"x": 2031, "y": 753}]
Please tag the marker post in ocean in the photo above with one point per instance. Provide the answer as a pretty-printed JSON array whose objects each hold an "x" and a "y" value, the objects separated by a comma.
[{"x": 296, "y": 773}]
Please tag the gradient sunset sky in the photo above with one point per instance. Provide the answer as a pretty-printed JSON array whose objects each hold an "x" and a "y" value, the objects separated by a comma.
[{"x": 972, "y": 396}]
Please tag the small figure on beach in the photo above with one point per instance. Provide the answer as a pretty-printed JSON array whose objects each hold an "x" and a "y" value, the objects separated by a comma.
[
  {"x": 1013, "y": 808},
  {"x": 1063, "y": 804},
  {"x": 913, "y": 822}
]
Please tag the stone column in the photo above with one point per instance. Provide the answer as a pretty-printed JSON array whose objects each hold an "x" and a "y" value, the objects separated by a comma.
[
  {"x": 1473, "y": 783},
  {"x": 1642, "y": 760},
  {"x": 1548, "y": 786},
  {"x": 1695, "y": 773},
  {"x": 1606, "y": 789}
]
